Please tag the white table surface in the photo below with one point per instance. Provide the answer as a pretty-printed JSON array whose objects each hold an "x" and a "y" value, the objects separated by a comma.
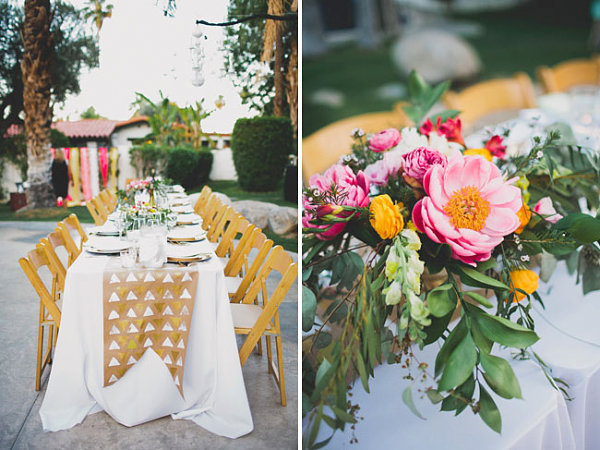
[{"x": 215, "y": 394}]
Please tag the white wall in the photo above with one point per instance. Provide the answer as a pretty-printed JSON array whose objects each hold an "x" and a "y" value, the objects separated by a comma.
[
  {"x": 10, "y": 175},
  {"x": 222, "y": 168},
  {"x": 120, "y": 139}
]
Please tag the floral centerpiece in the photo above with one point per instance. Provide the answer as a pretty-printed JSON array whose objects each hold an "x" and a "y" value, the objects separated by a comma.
[{"x": 406, "y": 240}]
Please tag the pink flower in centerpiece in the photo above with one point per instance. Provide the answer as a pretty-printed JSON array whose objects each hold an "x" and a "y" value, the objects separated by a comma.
[
  {"x": 545, "y": 208},
  {"x": 351, "y": 190},
  {"x": 384, "y": 140},
  {"x": 496, "y": 147},
  {"x": 420, "y": 160},
  {"x": 452, "y": 129},
  {"x": 426, "y": 128},
  {"x": 468, "y": 206},
  {"x": 380, "y": 171}
]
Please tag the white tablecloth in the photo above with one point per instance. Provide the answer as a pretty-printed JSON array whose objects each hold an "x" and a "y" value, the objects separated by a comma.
[{"x": 215, "y": 395}]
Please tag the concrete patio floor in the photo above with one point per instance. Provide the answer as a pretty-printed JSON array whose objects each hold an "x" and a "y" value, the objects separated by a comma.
[{"x": 275, "y": 427}]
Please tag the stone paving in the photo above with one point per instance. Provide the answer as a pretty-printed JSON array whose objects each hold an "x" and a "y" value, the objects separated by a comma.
[{"x": 275, "y": 427}]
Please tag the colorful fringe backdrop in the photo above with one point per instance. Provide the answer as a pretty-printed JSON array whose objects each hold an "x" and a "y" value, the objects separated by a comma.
[
  {"x": 103, "y": 160},
  {"x": 85, "y": 174}
]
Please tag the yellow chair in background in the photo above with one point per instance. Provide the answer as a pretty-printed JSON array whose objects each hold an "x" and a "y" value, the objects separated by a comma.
[
  {"x": 487, "y": 97},
  {"x": 568, "y": 74},
  {"x": 324, "y": 147},
  {"x": 67, "y": 227}
]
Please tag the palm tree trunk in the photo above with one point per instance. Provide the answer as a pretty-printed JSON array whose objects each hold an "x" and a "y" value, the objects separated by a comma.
[{"x": 37, "y": 81}]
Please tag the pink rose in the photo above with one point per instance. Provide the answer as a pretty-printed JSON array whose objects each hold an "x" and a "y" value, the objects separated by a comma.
[
  {"x": 468, "y": 206},
  {"x": 384, "y": 140},
  {"x": 418, "y": 161},
  {"x": 545, "y": 208},
  {"x": 351, "y": 190}
]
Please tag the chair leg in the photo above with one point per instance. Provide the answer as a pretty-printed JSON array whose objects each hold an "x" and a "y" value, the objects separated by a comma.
[
  {"x": 280, "y": 367},
  {"x": 38, "y": 369},
  {"x": 259, "y": 347},
  {"x": 269, "y": 352}
]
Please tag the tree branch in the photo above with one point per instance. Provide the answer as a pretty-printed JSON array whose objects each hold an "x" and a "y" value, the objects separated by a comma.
[{"x": 291, "y": 17}]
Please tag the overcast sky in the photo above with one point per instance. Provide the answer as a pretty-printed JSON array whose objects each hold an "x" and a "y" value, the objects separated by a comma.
[{"x": 142, "y": 50}]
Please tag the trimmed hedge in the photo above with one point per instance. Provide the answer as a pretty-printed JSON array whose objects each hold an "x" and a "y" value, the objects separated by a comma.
[
  {"x": 260, "y": 147},
  {"x": 188, "y": 167},
  {"x": 184, "y": 165}
]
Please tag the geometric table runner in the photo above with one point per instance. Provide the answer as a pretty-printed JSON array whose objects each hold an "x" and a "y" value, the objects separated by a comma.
[{"x": 147, "y": 308}]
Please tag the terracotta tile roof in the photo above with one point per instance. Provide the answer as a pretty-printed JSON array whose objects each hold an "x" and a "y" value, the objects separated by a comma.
[
  {"x": 87, "y": 128},
  {"x": 132, "y": 121}
]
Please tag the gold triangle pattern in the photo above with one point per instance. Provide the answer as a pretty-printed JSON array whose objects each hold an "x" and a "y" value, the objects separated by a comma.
[{"x": 141, "y": 312}]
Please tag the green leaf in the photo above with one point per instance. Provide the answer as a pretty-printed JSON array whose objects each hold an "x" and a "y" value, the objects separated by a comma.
[
  {"x": 505, "y": 332},
  {"x": 434, "y": 396},
  {"x": 323, "y": 340},
  {"x": 343, "y": 415},
  {"x": 454, "y": 338},
  {"x": 489, "y": 411},
  {"x": 500, "y": 376},
  {"x": 441, "y": 300},
  {"x": 324, "y": 374},
  {"x": 309, "y": 308},
  {"x": 483, "y": 301},
  {"x": 472, "y": 277},
  {"x": 306, "y": 273},
  {"x": 408, "y": 401},
  {"x": 582, "y": 227},
  {"x": 445, "y": 115},
  {"x": 461, "y": 397},
  {"x": 460, "y": 364},
  {"x": 481, "y": 342},
  {"x": 434, "y": 331},
  {"x": 306, "y": 404},
  {"x": 416, "y": 84},
  {"x": 362, "y": 370}
]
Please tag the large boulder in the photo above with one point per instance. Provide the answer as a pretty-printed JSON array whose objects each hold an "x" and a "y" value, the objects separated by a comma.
[
  {"x": 283, "y": 220},
  {"x": 436, "y": 54},
  {"x": 256, "y": 212}
]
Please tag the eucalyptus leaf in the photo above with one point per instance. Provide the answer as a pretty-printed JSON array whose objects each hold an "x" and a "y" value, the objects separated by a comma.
[
  {"x": 343, "y": 415},
  {"x": 434, "y": 331},
  {"x": 434, "y": 396},
  {"x": 489, "y": 411},
  {"x": 309, "y": 308},
  {"x": 461, "y": 397},
  {"x": 408, "y": 401},
  {"x": 364, "y": 378},
  {"x": 322, "y": 340},
  {"x": 454, "y": 338},
  {"x": 483, "y": 301},
  {"x": 547, "y": 266},
  {"x": 500, "y": 376},
  {"x": 472, "y": 277},
  {"x": 441, "y": 300},
  {"x": 306, "y": 273},
  {"x": 460, "y": 364},
  {"x": 324, "y": 374},
  {"x": 505, "y": 332}
]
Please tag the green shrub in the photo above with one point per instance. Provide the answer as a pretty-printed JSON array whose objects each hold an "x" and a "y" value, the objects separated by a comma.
[
  {"x": 147, "y": 157},
  {"x": 188, "y": 167},
  {"x": 260, "y": 148}
]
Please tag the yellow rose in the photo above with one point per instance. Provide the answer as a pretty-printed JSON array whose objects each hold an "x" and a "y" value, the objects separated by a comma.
[
  {"x": 524, "y": 215},
  {"x": 479, "y": 151},
  {"x": 526, "y": 280},
  {"x": 385, "y": 217}
]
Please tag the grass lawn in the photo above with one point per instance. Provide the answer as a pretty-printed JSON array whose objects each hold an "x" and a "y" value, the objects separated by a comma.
[
  {"x": 514, "y": 40},
  {"x": 233, "y": 190},
  {"x": 45, "y": 214}
]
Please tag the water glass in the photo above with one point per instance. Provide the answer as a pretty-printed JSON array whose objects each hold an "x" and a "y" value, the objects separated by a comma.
[{"x": 128, "y": 257}]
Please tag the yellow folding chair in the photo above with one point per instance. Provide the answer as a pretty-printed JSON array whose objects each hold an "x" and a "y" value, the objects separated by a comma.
[
  {"x": 96, "y": 215},
  {"x": 568, "y": 74},
  {"x": 256, "y": 321},
  {"x": 205, "y": 194},
  {"x": 488, "y": 97},
  {"x": 212, "y": 211},
  {"x": 239, "y": 226},
  {"x": 67, "y": 228},
  {"x": 223, "y": 218},
  {"x": 237, "y": 287},
  {"x": 106, "y": 200},
  {"x": 50, "y": 314}
]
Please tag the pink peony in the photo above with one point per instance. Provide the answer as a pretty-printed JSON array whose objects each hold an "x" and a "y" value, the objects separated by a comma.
[
  {"x": 468, "y": 206},
  {"x": 351, "y": 189},
  {"x": 545, "y": 208},
  {"x": 418, "y": 161},
  {"x": 384, "y": 140}
]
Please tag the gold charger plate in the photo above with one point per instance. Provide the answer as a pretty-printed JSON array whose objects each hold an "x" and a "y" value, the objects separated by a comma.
[{"x": 189, "y": 259}]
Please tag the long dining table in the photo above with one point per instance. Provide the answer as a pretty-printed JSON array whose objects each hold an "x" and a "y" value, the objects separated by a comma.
[{"x": 144, "y": 343}]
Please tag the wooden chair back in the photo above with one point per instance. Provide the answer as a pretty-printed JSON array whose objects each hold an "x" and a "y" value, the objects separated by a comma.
[
  {"x": 568, "y": 74},
  {"x": 262, "y": 245},
  {"x": 223, "y": 218},
  {"x": 101, "y": 208},
  {"x": 212, "y": 210},
  {"x": 91, "y": 207},
  {"x": 70, "y": 225},
  {"x": 50, "y": 244},
  {"x": 106, "y": 200},
  {"x": 205, "y": 194},
  {"x": 487, "y": 97},
  {"x": 240, "y": 225},
  {"x": 326, "y": 146}
]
